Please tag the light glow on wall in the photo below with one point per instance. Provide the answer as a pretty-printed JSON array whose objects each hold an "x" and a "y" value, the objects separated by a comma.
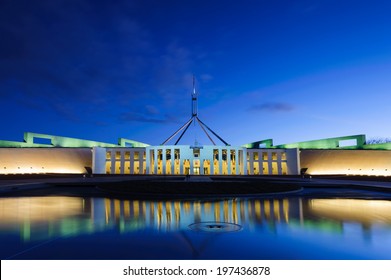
[
  {"x": 36, "y": 170},
  {"x": 348, "y": 171},
  {"x": 44, "y": 160}
]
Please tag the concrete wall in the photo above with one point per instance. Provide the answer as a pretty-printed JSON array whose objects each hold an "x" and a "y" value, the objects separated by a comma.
[
  {"x": 133, "y": 161},
  {"x": 44, "y": 160},
  {"x": 99, "y": 160},
  {"x": 355, "y": 162}
]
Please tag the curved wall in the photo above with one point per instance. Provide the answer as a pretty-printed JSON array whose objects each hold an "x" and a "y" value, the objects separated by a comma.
[
  {"x": 74, "y": 160},
  {"x": 44, "y": 160},
  {"x": 354, "y": 162}
]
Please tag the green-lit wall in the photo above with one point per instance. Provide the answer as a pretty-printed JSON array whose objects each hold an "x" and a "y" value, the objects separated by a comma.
[{"x": 37, "y": 140}]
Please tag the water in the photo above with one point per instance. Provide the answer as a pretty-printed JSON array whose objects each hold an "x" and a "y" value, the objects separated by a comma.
[{"x": 103, "y": 228}]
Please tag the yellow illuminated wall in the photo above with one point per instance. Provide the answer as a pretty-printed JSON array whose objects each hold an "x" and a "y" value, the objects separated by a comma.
[
  {"x": 44, "y": 160},
  {"x": 259, "y": 161},
  {"x": 351, "y": 162}
]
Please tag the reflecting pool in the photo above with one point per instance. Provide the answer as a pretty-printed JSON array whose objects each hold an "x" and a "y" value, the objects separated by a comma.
[{"x": 237, "y": 228}]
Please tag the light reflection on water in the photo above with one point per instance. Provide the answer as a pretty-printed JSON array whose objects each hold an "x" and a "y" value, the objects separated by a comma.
[{"x": 102, "y": 228}]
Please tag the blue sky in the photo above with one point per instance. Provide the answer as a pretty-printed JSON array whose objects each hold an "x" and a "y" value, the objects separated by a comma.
[{"x": 283, "y": 69}]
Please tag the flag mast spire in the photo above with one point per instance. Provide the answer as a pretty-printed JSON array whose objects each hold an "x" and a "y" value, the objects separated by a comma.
[
  {"x": 194, "y": 105},
  {"x": 194, "y": 119}
]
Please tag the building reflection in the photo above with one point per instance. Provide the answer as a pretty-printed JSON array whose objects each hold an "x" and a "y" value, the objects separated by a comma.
[
  {"x": 45, "y": 217},
  {"x": 178, "y": 215},
  {"x": 365, "y": 212},
  {"x": 38, "y": 218}
]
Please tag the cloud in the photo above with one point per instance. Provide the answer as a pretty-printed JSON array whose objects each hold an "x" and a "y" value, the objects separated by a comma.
[
  {"x": 173, "y": 72},
  {"x": 129, "y": 117},
  {"x": 152, "y": 109},
  {"x": 101, "y": 123},
  {"x": 272, "y": 107},
  {"x": 206, "y": 77},
  {"x": 66, "y": 112},
  {"x": 84, "y": 59},
  {"x": 64, "y": 44}
]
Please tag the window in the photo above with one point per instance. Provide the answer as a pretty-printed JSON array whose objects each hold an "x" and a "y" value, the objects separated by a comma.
[
  {"x": 233, "y": 155},
  {"x": 216, "y": 154},
  {"x": 168, "y": 154},
  {"x": 224, "y": 155},
  {"x": 127, "y": 155},
  {"x": 177, "y": 154},
  {"x": 196, "y": 153},
  {"x": 45, "y": 141},
  {"x": 347, "y": 143}
]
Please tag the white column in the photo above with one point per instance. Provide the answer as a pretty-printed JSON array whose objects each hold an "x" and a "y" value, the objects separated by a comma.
[
  {"x": 279, "y": 163},
  {"x": 98, "y": 160},
  {"x": 229, "y": 161},
  {"x": 251, "y": 160},
  {"x": 181, "y": 153},
  {"x": 122, "y": 162},
  {"x": 243, "y": 161},
  {"x": 164, "y": 161},
  {"x": 140, "y": 162},
  {"x": 237, "y": 168},
  {"x": 260, "y": 162},
  {"x": 220, "y": 161},
  {"x": 131, "y": 163},
  {"x": 112, "y": 171},
  {"x": 155, "y": 151},
  {"x": 191, "y": 166},
  {"x": 269, "y": 161},
  {"x": 172, "y": 161},
  {"x": 293, "y": 161},
  {"x": 147, "y": 160}
]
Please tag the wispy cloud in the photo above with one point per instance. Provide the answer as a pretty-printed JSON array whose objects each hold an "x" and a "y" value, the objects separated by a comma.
[
  {"x": 66, "y": 112},
  {"x": 75, "y": 62},
  {"x": 152, "y": 110},
  {"x": 272, "y": 107},
  {"x": 129, "y": 117},
  {"x": 206, "y": 77},
  {"x": 85, "y": 61}
]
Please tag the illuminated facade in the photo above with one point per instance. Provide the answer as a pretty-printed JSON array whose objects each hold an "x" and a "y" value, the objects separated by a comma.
[
  {"x": 40, "y": 153},
  {"x": 201, "y": 160},
  {"x": 69, "y": 155},
  {"x": 190, "y": 160}
]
